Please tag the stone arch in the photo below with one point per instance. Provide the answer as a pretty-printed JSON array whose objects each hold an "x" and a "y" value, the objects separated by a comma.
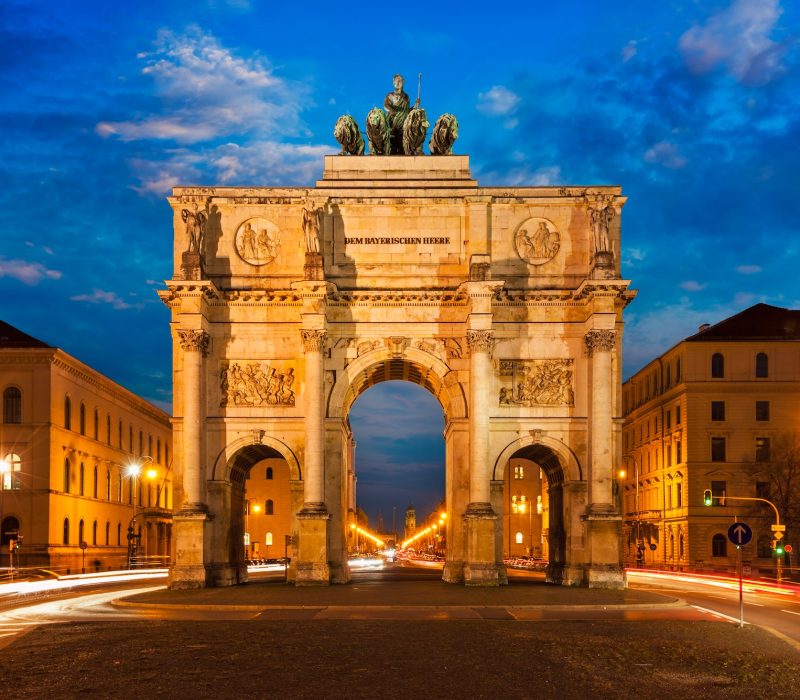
[
  {"x": 413, "y": 365},
  {"x": 238, "y": 456},
  {"x": 551, "y": 454}
]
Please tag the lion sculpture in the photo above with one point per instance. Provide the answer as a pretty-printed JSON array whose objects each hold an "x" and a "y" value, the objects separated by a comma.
[
  {"x": 445, "y": 132},
  {"x": 414, "y": 129},
  {"x": 378, "y": 132},
  {"x": 349, "y": 136}
]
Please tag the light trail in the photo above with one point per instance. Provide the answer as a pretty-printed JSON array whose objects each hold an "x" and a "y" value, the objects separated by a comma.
[
  {"x": 22, "y": 588},
  {"x": 725, "y": 582}
]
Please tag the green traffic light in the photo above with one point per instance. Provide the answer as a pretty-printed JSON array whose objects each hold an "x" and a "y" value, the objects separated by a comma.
[
  {"x": 779, "y": 549},
  {"x": 707, "y": 499}
]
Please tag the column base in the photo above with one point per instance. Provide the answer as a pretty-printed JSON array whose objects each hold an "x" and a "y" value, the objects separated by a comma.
[
  {"x": 189, "y": 532},
  {"x": 453, "y": 572},
  {"x": 223, "y": 575},
  {"x": 609, "y": 577},
  {"x": 481, "y": 567},
  {"x": 340, "y": 573},
  {"x": 312, "y": 549},
  {"x": 604, "y": 553}
]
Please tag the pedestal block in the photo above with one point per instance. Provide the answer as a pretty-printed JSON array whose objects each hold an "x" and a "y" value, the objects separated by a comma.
[
  {"x": 312, "y": 550},
  {"x": 481, "y": 567},
  {"x": 604, "y": 568},
  {"x": 191, "y": 537}
]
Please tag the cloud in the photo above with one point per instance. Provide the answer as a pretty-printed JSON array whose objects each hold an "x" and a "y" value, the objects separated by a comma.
[
  {"x": 209, "y": 92},
  {"x": 737, "y": 38},
  {"x": 98, "y": 296},
  {"x": 666, "y": 154},
  {"x": 748, "y": 269},
  {"x": 692, "y": 286},
  {"x": 629, "y": 51},
  {"x": 29, "y": 273},
  {"x": 498, "y": 101}
]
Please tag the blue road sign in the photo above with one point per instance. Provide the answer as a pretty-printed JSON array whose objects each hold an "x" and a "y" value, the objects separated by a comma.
[{"x": 740, "y": 534}]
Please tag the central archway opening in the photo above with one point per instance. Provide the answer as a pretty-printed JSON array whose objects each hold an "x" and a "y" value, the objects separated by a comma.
[{"x": 399, "y": 480}]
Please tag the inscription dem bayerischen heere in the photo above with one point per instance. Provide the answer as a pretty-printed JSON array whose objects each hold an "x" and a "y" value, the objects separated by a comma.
[{"x": 394, "y": 240}]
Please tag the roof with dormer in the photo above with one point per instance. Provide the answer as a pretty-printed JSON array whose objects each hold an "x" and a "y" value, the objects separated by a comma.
[{"x": 759, "y": 322}]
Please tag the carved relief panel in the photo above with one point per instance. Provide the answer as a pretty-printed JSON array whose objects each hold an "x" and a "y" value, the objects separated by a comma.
[
  {"x": 244, "y": 383},
  {"x": 258, "y": 241},
  {"x": 537, "y": 382},
  {"x": 537, "y": 241}
]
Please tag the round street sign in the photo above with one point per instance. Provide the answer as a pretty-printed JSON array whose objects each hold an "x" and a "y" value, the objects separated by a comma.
[
  {"x": 740, "y": 534},
  {"x": 788, "y": 548}
]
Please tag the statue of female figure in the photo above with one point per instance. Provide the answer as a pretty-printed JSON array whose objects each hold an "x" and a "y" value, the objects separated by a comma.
[
  {"x": 396, "y": 105},
  {"x": 311, "y": 217}
]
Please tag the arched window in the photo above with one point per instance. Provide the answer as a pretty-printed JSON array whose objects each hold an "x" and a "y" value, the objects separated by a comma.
[
  {"x": 166, "y": 454},
  {"x": 82, "y": 419},
  {"x": 65, "y": 534},
  {"x": 268, "y": 539},
  {"x": 669, "y": 379},
  {"x": 108, "y": 484},
  {"x": 119, "y": 534},
  {"x": 717, "y": 366},
  {"x": 108, "y": 428},
  {"x": 681, "y": 546},
  {"x": 108, "y": 533},
  {"x": 9, "y": 529},
  {"x": 81, "y": 479},
  {"x": 678, "y": 369},
  {"x": 518, "y": 538},
  {"x": 119, "y": 435},
  {"x": 762, "y": 365},
  {"x": 80, "y": 531},
  {"x": 269, "y": 472},
  {"x": 130, "y": 439},
  {"x": 11, "y": 479},
  {"x": 94, "y": 532},
  {"x": 67, "y": 476},
  {"x": 158, "y": 450},
  {"x": 150, "y": 445},
  {"x": 67, "y": 413},
  {"x": 96, "y": 424},
  {"x": 12, "y": 405},
  {"x": 269, "y": 507},
  {"x": 141, "y": 443},
  {"x": 671, "y": 546},
  {"x": 94, "y": 491},
  {"x": 719, "y": 545}
]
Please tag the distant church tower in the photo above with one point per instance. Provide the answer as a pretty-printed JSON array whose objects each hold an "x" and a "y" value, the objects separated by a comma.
[{"x": 411, "y": 522}]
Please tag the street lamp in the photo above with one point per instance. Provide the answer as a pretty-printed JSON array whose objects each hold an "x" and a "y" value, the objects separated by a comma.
[
  {"x": 134, "y": 472},
  {"x": 522, "y": 508},
  {"x": 5, "y": 470}
]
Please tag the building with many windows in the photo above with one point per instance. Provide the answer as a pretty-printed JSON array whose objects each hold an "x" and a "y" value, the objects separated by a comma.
[
  {"x": 69, "y": 437},
  {"x": 709, "y": 414}
]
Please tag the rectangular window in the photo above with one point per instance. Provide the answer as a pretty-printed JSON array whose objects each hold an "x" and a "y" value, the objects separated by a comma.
[
  {"x": 678, "y": 452},
  {"x": 717, "y": 410},
  {"x": 762, "y": 449},
  {"x": 655, "y": 425},
  {"x": 762, "y": 410},
  {"x": 677, "y": 415},
  {"x": 718, "y": 492},
  {"x": 717, "y": 449},
  {"x": 669, "y": 455},
  {"x": 678, "y": 495},
  {"x": 669, "y": 497},
  {"x": 667, "y": 416},
  {"x": 762, "y": 489},
  {"x": 519, "y": 472}
]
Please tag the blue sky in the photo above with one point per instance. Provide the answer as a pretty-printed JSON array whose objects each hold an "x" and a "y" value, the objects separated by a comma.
[{"x": 691, "y": 106}]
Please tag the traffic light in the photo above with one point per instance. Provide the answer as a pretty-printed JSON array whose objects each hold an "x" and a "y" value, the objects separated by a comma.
[
  {"x": 19, "y": 542},
  {"x": 778, "y": 548},
  {"x": 707, "y": 498}
]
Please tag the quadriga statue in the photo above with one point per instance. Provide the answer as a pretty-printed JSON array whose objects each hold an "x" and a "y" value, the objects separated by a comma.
[
  {"x": 349, "y": 136},
  {"x": 378, "y": 133},
  {"x": 414, "y": 129},
  {"x": 445, "y": 132}
]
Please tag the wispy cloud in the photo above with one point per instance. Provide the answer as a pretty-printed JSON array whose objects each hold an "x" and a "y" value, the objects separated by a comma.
[
  {"x": 692, "y": 286},
  {"x": 738, "y": 39},
  {"x": 99, "y": 296},
  {"x": 499, "y": 101},
  {"x": 29, "y": 273},
  {"x": 665, "y": 153},
  {"x": 748, "y": 269}
]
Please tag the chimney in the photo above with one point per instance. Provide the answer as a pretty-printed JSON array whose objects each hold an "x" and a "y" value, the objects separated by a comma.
[{"x": 704, "y": 327}]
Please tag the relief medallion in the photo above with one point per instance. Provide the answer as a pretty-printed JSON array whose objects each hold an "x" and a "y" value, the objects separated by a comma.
[
  {"x": 537, "y": 241},
  {"x": 257, "y": 241}
]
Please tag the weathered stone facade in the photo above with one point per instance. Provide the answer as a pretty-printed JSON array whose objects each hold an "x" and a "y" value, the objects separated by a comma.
[{"x": 418, "y": 274}]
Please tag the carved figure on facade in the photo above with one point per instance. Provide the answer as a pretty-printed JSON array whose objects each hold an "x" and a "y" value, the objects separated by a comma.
[
  {"x": 433, "y": 346},
  {"x": 193, "y": 341},
  {"x": 396, "y": 105},
  {"x": 255, "y": 384},
  {"x": 379, "y": 133},
  {"x": 537, "y": 382},
  {"x": 444, "y": 135},
  {"x": 415, "y": 127},
  {"x": 195, "y": 221},
  {"x": 537, "y": 241},
  {"x": 601, "y": 214},
  {"x": 366, "y": 346},
  {"x": 453, "y": 348},
  {"x": 257, "y": 241},
  {"x": 312, "y": 224},
  {"x": 600, "y": 341},
  {"x": 349, "y": 136}
]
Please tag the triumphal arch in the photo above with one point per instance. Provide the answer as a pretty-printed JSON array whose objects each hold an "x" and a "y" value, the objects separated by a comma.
[{"x": 504, "y": 302}]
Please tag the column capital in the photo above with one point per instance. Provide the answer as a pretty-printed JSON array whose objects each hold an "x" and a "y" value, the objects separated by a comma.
[
  {"x": 600, "y": 341},
  {"x": 480, "y": 341},
  {"x": 194, "y": 341},
  {"x": 313, "y": 340}
]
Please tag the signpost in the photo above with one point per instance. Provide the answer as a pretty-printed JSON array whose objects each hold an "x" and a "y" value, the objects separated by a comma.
[{"x": 740, "y": 534}]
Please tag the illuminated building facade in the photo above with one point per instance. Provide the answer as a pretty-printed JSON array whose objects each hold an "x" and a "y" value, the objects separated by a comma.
[
  {"x": 68, "y": 437},
  {"x": 708, "y": 415}
]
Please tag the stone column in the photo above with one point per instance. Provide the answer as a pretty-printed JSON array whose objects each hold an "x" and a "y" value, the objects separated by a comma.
[
  {"x": 603, "y": 521},
  {"x": 312, "y": 551},
  {"x": 189, "y": 568},
  {"x": 195, "y": 347},
  {"x": 481, "y": 568}
]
